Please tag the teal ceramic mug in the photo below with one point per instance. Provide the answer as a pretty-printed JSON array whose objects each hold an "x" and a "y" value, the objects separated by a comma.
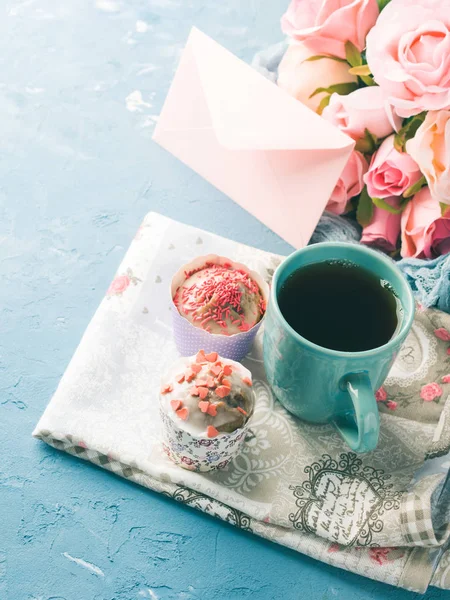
[{"x": 321, "y": 385}]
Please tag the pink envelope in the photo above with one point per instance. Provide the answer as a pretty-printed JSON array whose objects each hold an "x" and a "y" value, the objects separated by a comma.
[{"x": 258, "y": 145}]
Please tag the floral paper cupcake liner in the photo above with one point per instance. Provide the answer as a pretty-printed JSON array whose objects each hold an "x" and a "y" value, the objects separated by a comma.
[{"x": 200, "y": 454}]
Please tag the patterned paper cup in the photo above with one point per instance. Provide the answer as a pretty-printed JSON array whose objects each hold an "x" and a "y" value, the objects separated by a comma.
[
  {"x": 200, "y": 453},
  {"x": 189, "y": 339}
]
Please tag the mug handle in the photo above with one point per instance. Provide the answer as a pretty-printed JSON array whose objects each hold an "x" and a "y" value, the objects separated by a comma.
[{"x": 363, "y": 437}]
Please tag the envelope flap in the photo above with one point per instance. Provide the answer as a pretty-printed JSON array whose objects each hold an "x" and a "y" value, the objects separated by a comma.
[{"x": 250, "y": 112}]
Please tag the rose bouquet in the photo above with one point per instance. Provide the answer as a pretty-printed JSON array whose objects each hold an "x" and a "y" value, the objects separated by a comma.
[{"x": 380, "y": 72}]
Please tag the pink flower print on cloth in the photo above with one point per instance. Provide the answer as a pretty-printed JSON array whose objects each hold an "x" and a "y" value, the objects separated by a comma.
[
  {"x": 121, "y": 282},
  {"x": 442, "y": 334},
  {"x": 381, "y": 555},
  {"x": 430, "y": 392},
  {"x": 381, "y": 395}
]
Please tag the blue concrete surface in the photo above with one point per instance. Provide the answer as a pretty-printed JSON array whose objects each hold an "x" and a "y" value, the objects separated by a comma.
[{"x": 80, "y": 85}]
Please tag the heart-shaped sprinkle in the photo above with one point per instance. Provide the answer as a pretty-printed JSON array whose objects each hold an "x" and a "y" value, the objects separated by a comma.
[
  {"x": 176, "y": 404},
  {"x": 201, "y": 382},
  {"x": 183, "y": 413},
  {"x": 179, "y": 378},
  {"x": 200, "y": 356},
  {"x": 210, "y": 382},
  {"x": 226, "y": 382},
  {"x": 241, "y": 410},
  {"x": 227, "y": 370},
  {"x": 211, "y": 431},
  {"x": 166, "y": 389},
  {"x": 196, "y": 367},
  {"x": 190, "y": 375},
  {"x": 247, "y": 380},
  {"x": 203, "y": 406},
  {"x": 212, "y": 410},
  {"x": 222, "y": 391},
  {"x": 215, "y": 370},
  {"x": 194, "y": 390},
  {"x": 211, "y": 357},
  {"x": 203, "y": 392}
]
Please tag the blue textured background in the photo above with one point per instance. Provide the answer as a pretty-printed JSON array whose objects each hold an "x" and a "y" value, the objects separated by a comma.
[{"x": 81, "y": 84}]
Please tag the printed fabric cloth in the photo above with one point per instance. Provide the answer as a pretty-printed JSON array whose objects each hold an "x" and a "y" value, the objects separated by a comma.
[{"x": 384, "y": 515}]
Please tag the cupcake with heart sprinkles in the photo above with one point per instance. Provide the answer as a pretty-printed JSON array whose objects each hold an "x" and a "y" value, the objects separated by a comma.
[
  {"x": 217, "y": 305},
  {"x": 206, "y": 403}
]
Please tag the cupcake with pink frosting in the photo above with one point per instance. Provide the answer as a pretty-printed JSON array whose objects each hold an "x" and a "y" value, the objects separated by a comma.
[{"x": 218, "y": 305}]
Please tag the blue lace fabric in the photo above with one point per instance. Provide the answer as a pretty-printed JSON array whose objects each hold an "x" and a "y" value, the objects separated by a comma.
[{"x": 429, "y": 280}]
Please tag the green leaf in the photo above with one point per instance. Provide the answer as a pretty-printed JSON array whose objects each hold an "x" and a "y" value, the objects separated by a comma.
[
  {"x": 323, "y": 103},
  {"x": 368, "y": 143},
  {"x": 368, "y": 80},
  {"x": 444, "y": 208},
  {"x": 319, "y": 56},
  {"x": 408, "y": 131},
  {"x": 319, "y": 90},
  {"x": 353, "y": 55},
  {"x": 414, "y": 125},
  {"x": 339, "y": 88},
  {"x": 413, "y": 189},
  {"x": 381, "y": 203},
  {"x": 361, "y": 70},
  {"x": 382, "y": 4},
  {"x": 399, "y": 142},
  {"x": 364, "y": 212}
]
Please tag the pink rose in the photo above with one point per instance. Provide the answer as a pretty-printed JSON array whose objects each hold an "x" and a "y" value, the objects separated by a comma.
[
  {"x": 391, "y": 405},
  {"x": 350, "y": 183},
  {"x": 384, "y": 229},
  {"x": 325, "y": 25},
  {"x": 360, "y": 110},
  {"x": 430, "y": 148},
  {"x": 381, "y": 395},
  {"x": 430, "y": 392},
  {"x": 118, "y": 285},
  {"x": 300, "y": 77},
  {"x": 442, "y": 334},
  {"x": 446, "y": 379},
  {"x": 408, "y": 51},
  {"x": 425, "y": 232},
  {"x": 391, "y": 172}
]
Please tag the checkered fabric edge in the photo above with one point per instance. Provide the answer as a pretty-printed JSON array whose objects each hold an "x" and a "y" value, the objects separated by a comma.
[
  {"x": 71, "y": 446},
  {"x": 417, "y": 524}
]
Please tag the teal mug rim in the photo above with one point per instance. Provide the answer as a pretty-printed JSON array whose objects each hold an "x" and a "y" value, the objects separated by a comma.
[{"x": 408, "y": 305}]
